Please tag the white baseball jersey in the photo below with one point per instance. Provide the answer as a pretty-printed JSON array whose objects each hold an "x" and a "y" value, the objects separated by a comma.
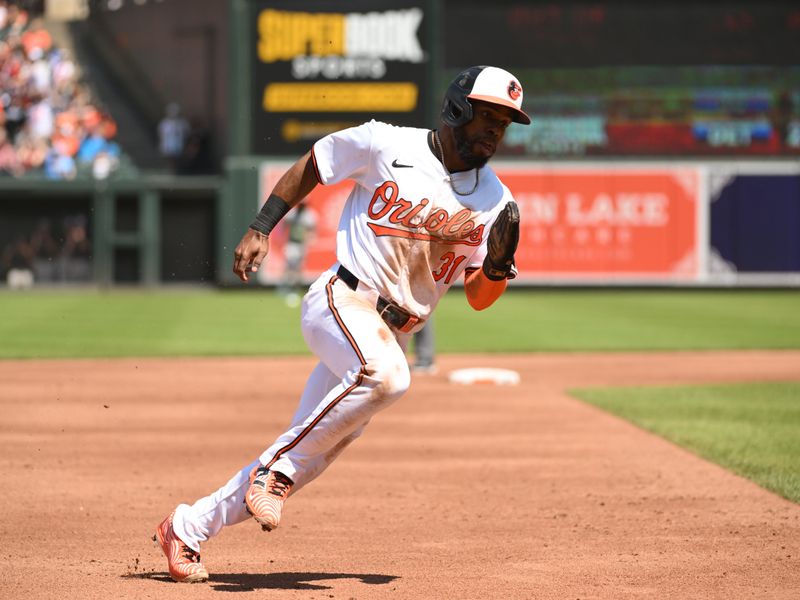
[{"x": 404, "y": 231}]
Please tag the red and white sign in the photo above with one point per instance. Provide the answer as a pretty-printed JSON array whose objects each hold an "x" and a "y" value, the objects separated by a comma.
[
  {"x": 578, "y": 223},
  {"x": 606, "y": 222}
]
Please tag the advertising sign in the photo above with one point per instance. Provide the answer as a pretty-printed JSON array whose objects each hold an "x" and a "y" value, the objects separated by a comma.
[
  {"x": 755, "y": 224},
  {"x": 606, "y": 223},
  {"x": 579, "y": 224},
  {"x": 323, "y": 66}
]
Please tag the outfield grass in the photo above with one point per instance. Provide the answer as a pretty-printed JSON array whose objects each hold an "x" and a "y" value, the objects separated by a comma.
[
  {"x": 594, "y": 320},
  {"x": 140, "y": 323},
  {"x": 181, "y": 322},
  {"x": 750, "y": 429}
]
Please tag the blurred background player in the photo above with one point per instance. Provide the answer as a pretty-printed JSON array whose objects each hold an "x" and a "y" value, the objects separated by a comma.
[
  {"x": 173, "y": 131},
  {"x": 300, "y": 225},
  {"x": 425, "y": 350}
]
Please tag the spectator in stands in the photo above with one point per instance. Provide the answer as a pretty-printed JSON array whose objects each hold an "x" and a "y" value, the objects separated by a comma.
[
  {"x": 173, "y": 130},
  {"x": 64, "y": 73},
  {"x": 59, "y": 162},
  {"x": 31, "y": 153},
  {"x": 97, "y": 151},
  {"x": 109, "y": 127},
  {"x": 5, "y": 55},
  {"x": 67, "y": 123},
  {"x": 15, "y": 118},
  {"x": 41, "y": 120},
  {"x": 40, "y": 79},
  {"x": 104, "y": 164},
  {"x": 45, "y": 111},
  {"x": 10, "y": 163},
  {"x": 108, "y": 159},
  {"x": 36, "y": 40},
  {"x": 16, "y": 21},
  {"x": 3, "y": 14}
]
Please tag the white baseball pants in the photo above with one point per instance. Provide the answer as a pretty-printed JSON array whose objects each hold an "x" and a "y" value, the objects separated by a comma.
[{"x": 362, "y": 370}]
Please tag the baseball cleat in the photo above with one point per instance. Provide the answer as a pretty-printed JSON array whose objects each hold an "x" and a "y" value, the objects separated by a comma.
[
  {"x": 265, "y": 497},
  {"x": 184, "y": 563}
]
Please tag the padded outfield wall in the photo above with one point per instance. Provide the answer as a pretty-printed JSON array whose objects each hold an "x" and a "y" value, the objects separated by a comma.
[{"x": 621, "y": 223}]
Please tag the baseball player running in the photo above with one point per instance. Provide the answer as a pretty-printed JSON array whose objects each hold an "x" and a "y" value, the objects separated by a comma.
[{"x": 425, "y": 210}]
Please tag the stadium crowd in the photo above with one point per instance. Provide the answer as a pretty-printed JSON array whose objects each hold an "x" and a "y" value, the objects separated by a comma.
[{"x": 49, "y": 122}]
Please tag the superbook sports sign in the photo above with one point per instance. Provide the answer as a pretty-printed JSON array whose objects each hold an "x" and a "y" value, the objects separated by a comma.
[
  {"x": 392, "y": 34},
  {"x": 323, "y": 66}
]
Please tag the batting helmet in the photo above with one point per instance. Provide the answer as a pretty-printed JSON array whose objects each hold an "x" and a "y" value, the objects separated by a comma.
[{"x": 489, "y": 84}]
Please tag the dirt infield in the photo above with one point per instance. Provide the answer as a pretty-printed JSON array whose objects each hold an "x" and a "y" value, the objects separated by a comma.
[{"x": 454, "y": 492}]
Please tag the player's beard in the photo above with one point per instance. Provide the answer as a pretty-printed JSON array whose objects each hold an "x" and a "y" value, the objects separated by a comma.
[{"x": 464, "y": 145}]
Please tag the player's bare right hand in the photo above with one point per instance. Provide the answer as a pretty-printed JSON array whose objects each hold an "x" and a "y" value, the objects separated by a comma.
[{"x": 250, "y": 253}]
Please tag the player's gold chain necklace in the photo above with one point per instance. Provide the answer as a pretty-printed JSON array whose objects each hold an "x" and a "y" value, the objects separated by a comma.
[{"x": 438, "y": 143}]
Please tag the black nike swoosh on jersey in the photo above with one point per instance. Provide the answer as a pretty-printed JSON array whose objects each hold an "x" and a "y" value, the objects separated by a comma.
[{"x": 398, "y": 165}]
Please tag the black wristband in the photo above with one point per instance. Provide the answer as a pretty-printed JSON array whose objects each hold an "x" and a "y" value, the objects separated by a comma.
[{"x": 274, "y": 209}]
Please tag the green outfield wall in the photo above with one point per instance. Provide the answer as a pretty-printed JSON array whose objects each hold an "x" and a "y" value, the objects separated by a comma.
[{"x": 143, "y": 229}]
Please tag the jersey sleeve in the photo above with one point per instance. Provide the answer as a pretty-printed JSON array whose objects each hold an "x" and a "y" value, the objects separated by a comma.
[{"x": 344, "y": 154}]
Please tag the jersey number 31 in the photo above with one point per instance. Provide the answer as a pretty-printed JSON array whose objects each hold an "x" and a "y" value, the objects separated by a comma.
[{"x": 450, "y": 263}]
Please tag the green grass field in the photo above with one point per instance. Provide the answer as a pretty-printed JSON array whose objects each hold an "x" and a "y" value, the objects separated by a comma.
[
  {"x": 203, "y": 322},
  {"x": 750, "y": 429}
]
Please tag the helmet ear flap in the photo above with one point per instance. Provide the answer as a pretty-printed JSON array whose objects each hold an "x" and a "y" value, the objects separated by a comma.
[
  {"x": 456, "y": 108},
  {"x": 455, "y": 113}
]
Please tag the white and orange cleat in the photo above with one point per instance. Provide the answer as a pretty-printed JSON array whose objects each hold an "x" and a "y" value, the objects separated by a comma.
[
  {"x": 265, "y": 497},
  {"x": 184, "y": 563}
]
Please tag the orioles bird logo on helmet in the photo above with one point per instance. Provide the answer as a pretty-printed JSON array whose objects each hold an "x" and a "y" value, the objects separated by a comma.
[{"x": 514, "y": 90}]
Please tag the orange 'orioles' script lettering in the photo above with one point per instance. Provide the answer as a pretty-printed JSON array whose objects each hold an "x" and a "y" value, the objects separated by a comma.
[{"x": 451, "y": 229}]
